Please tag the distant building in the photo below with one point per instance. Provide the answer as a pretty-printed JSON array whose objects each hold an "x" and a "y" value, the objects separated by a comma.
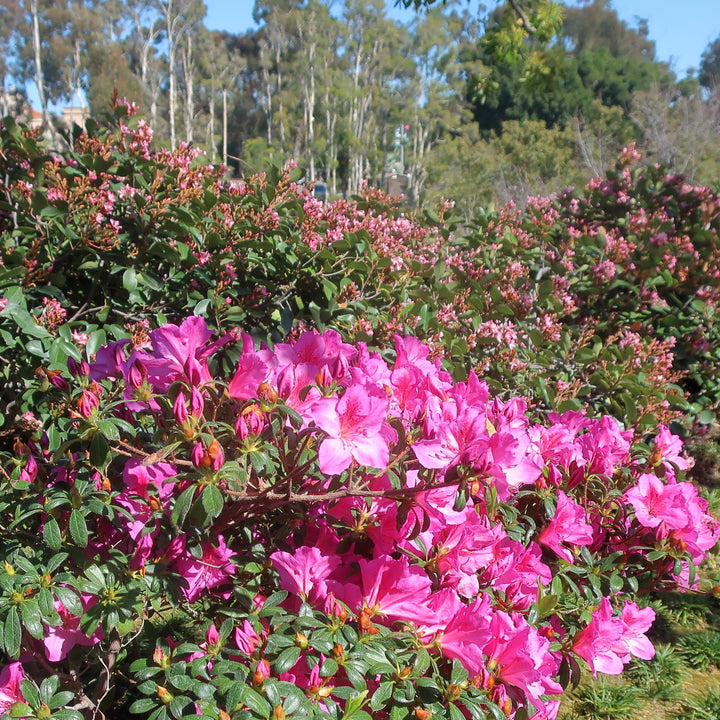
[{"x": 75, "y": 116}]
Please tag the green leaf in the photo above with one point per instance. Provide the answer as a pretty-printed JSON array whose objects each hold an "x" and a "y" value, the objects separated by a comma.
[
  {"x": 182, "y": 506},
  {"x": 78, "y": 528},
  {"x": 32, "y": 619},
  {"x": 212, "y": 501},
  {"x": 99, "y": 450},
  {"x": 71, "y": 602},
  {"x": 256, "y": 702},
  {"x": 329, "y": 668},
  {"x": 286, "y": 659},
  {"x": 130, "y": 282},
  {"x": 51, "y": 534},
  {"x": 12, "y": 632},
  {"x": 20, "y": 710},
  {"x": 381, "y": 695},
  {"x": 616, "y": 582},
  {"x": 143, "y": 705}
]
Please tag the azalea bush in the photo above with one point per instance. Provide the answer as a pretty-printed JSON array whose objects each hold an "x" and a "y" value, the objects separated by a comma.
[
  {"x": 603, "y": 297},
  {"x": 203, "y": 526}
]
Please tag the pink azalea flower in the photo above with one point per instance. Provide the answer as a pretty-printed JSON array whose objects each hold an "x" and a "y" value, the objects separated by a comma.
[
  {"x": 637, "y": 623},
  {"x": 464, "y": 549},
  {"x": 246, "y": 639},
  {"x": 668, "y": 451},
  {"x": 395, "y": 589},
  {"x": 10, "y": 677},
  {"x": 354, "y": 426},
  {"x": 608, "y": 642},
  {"x": 208, "y": 572},
  {"x": 600, "y": 643},
  {"x": 61, "y": 639},
  {"x": 522, "y": 657},
  {"x": 254, "y": 368},
  {"x": 466, "y": 634},
  {"x": 305, "y": 571},
  {"x": 451, "y": 435},
  {"x": 138, "y": 477},
  {"x": 516, "y": 571},
  {"x": 316, "y": 349},
  {"x": 656, "y": 503},
  {"x": 567, "y": 527}
]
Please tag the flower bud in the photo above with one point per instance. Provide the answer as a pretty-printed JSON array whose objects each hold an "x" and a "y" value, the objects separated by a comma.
[
  {"x": 216, "y": 455},
  {"x": 453, "y": 691},
  {"x": 301, "y": 640},
  {"x": 73, "y": 366},
  {"x": 421, "y": 713},
  {"x": 197, "y": 403},
  {"x": 180, "y": 408},
  {"x": 165, "y": 695},
  {"x": 57, "y": 380},
  {"x": 278, "y": 713},
  {"x": 339, "y": 366},
  {"x": 324, "y": 377},
  {"x": 136, "y": 374},
  {"x": 161, "y": 659},
  {"x": 87, "y": 403},
  {"x": 267, "y": 392},
  {"x": 262, "y": 671}
]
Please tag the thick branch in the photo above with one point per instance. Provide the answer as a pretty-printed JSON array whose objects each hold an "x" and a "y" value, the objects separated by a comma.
[{"x": 529, "y": 27}]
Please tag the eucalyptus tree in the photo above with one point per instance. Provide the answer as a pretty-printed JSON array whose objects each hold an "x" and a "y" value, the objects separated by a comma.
[
  {"x": 180, "y": 18},
  {"x": 277, "y": 41},
  {"x": 10, "y": 14},
  {"x": 376, "y": 52},
  {"x": 438, "y": 109},
  {"x": 219, "y": 66},
  {"x": 142, "y": 38}
]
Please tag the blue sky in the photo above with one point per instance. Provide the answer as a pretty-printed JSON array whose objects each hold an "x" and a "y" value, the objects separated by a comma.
[{"x": 681, "y": 29}]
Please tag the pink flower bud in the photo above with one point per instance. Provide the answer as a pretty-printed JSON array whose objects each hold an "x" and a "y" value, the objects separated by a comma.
[
  {"x": 180, "y": 408},
  {"x": 324, "y": 378},
  {"x": 57, "y": 380},
  {"x": 87, "y": 403},
  {"x": 136, "y": 374},
  {"x": 197, "y": 403},
  {"x": 198, "y": 455},
  {"x": 29, "y": 472}
]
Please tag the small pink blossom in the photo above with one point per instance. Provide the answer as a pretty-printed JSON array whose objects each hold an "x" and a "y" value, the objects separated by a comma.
[
  {"x": 209, "y": 572},
  {"x": 354, "y": 428},
  {"x": 10, "y": 677},
  {"x": 567, "y": 528}
]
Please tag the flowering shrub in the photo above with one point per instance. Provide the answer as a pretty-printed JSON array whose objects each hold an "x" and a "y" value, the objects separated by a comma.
[
  {"x": 210, "y": 528},
  {"x": 603, "y": 298}
]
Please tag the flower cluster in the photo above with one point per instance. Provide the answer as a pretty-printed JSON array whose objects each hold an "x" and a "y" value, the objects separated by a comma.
[{"x": 391, "y": 507}]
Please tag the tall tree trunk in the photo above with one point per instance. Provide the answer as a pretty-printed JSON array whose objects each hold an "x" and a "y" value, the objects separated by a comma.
[
  {"x": 39, "y": 77},
  {"x": 189, "y": 88},
  {"x": 225, "y": 128},
  {"x": 211, "y": 129},
  {"x": 172, "y": 45}
]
